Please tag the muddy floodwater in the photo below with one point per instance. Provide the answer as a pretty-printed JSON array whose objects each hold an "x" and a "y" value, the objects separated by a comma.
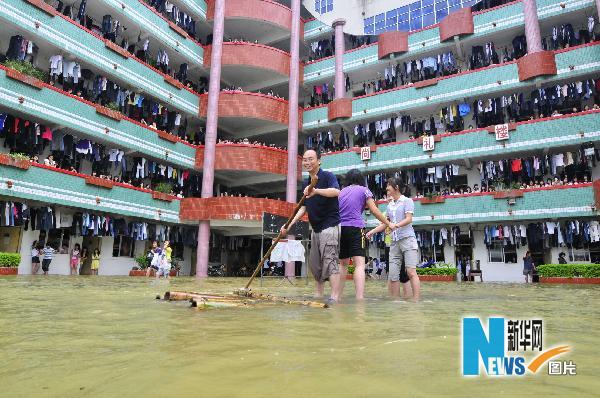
[{"x": 109, "y": 337}]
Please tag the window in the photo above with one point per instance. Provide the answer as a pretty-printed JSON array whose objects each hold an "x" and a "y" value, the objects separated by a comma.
[
  {"x": 416, "y": 15},
  {"x": 502, "y": 252},
  {"x": 454, "y": 5},
  {"x": 123, "y": 246},
  {"x": 510, "y": 253},
  {"x": 177, "y": 250},
  {"x": 576, "y": 255},
  {"x": 66, "y": 238},
  {"x": 427, "y": 7},
  {"x": 428, "y": 19},
  {"x": 441, "y": 14},
  {"x": 432, "y": 253},
  {"x": 369, "y": 26},
  {"x": 323, "y": 6},
  {"x": 380, "y": 23},
  {"x": 496, "y": 252},
  {"x": 59, "y": 239},
  {"x": 416, "y": 19},
  {"x": 403, "y": 22},
  {"x": 391, "y": 22}
]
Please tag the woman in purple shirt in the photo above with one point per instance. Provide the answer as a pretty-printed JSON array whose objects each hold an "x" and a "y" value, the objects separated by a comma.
[{"x": 352, "y": 200}]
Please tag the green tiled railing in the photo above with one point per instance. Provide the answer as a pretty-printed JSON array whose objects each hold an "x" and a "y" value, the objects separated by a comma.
[
  {"x": 63, "y": 110},
  {"x": 549, "y": 133},
  {"x": 492, "y": 80},
  {"x": 315, "y": 28},
  {"x": 56, "y": 188},
  {"x": 69, "y": 38},
  {"x": 158, "y": 28},
  {"x": 198, "y": 9},
  {"x": 504, "y": 17},
  {"x": 541, "y": 204}
]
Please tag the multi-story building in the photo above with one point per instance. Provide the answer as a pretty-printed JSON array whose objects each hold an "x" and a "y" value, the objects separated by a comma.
[{"x": 184, "y": 120}]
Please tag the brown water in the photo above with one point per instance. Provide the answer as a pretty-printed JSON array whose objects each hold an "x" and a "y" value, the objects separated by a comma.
[{"x": 109, "y": 337}]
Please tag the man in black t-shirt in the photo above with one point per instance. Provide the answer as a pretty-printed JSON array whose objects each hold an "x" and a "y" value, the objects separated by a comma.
[{"x": 322, "y": 207}]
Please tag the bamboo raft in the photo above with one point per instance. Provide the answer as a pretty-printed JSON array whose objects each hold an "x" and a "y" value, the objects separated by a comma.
[
  {"x": 239, "y": 298},
  {"x": 244, "y": 297}
]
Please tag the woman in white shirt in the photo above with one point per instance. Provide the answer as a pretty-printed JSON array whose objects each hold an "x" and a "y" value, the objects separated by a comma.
[{"x": 35, "y": 258}]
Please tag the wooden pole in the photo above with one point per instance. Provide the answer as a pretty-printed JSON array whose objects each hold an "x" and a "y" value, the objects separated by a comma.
[{"x": 313, "y": 182}]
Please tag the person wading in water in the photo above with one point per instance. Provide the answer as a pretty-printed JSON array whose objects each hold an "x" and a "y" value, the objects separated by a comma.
[
  {"x": 322, "y": 207},
  {"x": 404, "y": 246}
]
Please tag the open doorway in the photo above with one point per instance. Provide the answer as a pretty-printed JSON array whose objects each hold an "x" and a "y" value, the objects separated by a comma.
[
  {"x": 463, "y": 253},
  {"x": 90, "y": 243}
]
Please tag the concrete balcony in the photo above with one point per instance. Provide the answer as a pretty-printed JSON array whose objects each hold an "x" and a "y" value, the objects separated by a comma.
[
  {"x": 428, "y": 95},
  {"x": 54, "y": 33},
  {"x": 560, "y": 202},
  {"x": 552, "y": 132},
  {"x": 233, "y": 215},
  {"x": 48, "y": 105},
  {"x": 263, "y": 20},
  {"x": 244, "y": 114},
  {"x": 243, "y": 165},
  {"x": 504, "y": 21},
  {"x": 58, "y": 187},
  {"x": 252, "y": 66}
]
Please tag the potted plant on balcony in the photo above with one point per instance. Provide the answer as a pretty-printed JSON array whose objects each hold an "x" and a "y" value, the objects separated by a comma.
[
  {"x": 9, "y": 263},
  {"x": 162, "y": 191},
  {"x": 511, "y": 191},
  {"x": 25, "y": 72},
  {"x": 17, "y": 160},
  {"x": 431, "y": 197},
  {"x": 110, "y": 110}
]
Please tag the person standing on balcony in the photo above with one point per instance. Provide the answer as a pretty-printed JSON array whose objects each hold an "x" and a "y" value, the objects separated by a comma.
[
  {"x": 404, "y": 246},
  {"x": 322, "y": 207},
  {"x": 353, "y": 244}
]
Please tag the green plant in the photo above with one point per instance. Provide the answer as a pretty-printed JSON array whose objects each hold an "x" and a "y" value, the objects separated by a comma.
[
  {"x": 10, "y": 260},
  {"x": 142, "y": 261},
  {"x": 437, "y": 271},
  {"x": 569, "y": 270},
  {"x": 163, "y": 187},
  {"x": 113, "y": 106},
  {"x": 19, "y": 156},
  {"x": 26, "y": 68}
]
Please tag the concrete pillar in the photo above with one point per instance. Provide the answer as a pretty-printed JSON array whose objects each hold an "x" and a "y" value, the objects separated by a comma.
[
  {"x": 532, "y": 27},
  {"x": 208, "y": 172},
  {"x": 340, "y": 84},
  {"x": 292, "y": 144}
]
